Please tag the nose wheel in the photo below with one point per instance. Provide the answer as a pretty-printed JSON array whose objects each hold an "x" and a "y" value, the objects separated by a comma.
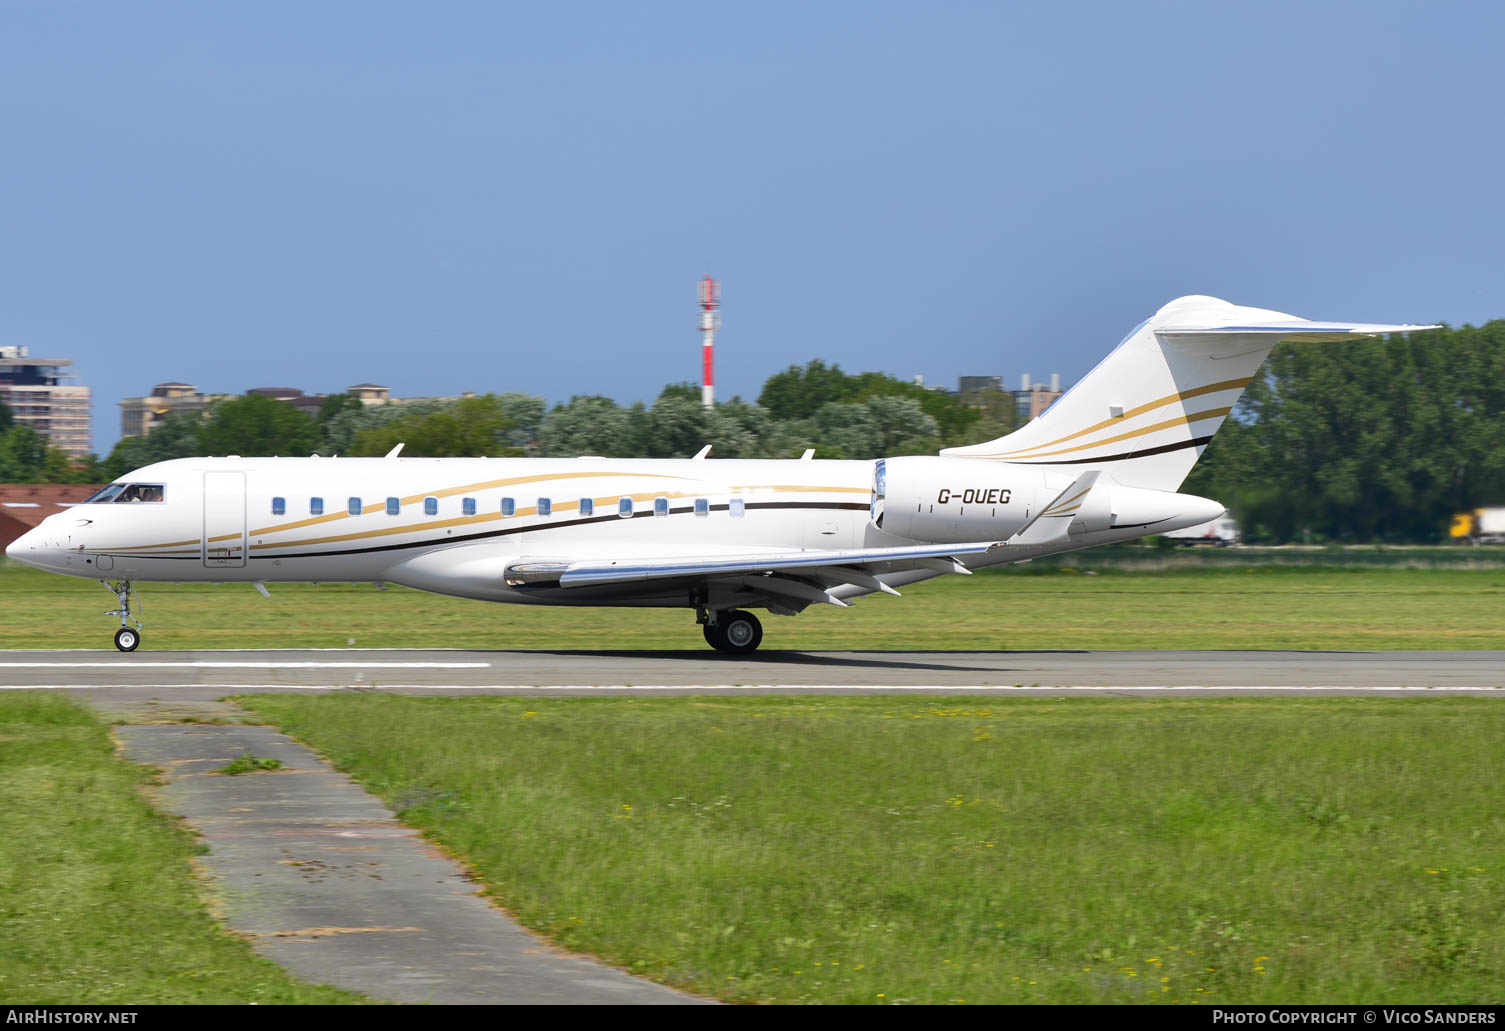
[
  {"x": 126, "y": 639},
  {"x": 734, "y": 632}
]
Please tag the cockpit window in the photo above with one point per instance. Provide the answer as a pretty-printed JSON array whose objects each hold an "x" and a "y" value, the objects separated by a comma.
[
  {"x": 139, "y": 492},
  {"x": 118, "y": 493},
  {"x": 103, "y": 494}
]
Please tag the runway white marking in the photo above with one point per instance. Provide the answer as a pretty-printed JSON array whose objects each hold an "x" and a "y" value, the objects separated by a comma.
[
  {"x": 867, "y": 689},
  {"x": 207, "y": 664}
]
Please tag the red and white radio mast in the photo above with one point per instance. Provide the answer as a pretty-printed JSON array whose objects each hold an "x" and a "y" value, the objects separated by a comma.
[{"x": 710, "y": 321}]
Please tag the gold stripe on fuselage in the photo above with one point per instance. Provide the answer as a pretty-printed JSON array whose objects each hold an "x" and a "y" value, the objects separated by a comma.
[
  {"x": 380, "y": 506},
  {"x": 449, "y": 492},
  {"x": 481, "y": 517},
  {"x": 532, "y": 510}
]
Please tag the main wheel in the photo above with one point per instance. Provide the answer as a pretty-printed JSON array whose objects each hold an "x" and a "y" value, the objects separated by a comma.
[
  {"x": 126, "y": 639},
  {"x": 736, "y": 633}
]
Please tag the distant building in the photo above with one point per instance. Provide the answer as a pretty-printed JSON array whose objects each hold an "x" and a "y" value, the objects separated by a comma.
[
  {"x": 1033, "y": 399},
  {"x": 308, "y": 404},
  {"x": 967, "y": 384},
  {"x": 1029, "y": 400},
  {"x": 371, "y": 394},
  {"x": 140, "y": 415},
  {"x": 34, "y": 390},
  {"x": 919, "y": 381}
]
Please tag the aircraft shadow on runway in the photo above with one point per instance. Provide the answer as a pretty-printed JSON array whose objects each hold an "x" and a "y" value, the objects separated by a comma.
[{"x": 774, "y": 658}]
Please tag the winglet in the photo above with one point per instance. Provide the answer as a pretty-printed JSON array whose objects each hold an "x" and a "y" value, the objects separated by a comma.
[{"x": 1053, "y": 522}]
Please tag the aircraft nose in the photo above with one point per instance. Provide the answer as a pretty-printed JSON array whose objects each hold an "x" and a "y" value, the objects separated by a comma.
[
  {"x": 18, "y": 548},
  {"x": 29, "y": 549}
]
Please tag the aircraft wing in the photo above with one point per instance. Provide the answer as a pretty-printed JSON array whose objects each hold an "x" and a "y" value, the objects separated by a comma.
[{"x": 859, "y": 563}]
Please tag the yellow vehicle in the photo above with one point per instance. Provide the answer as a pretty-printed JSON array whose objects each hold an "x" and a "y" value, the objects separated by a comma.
[{"x": 1481, "y": 526}]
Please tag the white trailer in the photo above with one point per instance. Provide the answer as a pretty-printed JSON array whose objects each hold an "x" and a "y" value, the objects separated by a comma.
[
  {"x": 1490, "y": 524},
  {"x": 1219, "y": 532}
]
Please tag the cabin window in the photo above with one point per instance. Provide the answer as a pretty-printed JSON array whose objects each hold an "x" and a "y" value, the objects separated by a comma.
[
  {"x": 624, "y": 508},
  {"x": 660, "y": 506},
  {"x": 315, "y": 506},
  {"x": 430, "y": 506},
  {"x": 355, "y": 506},
  {"x": 509, "y": 506},
  {"x": 394, "y": 506},
  {"x": 587, "y": 506},
  {"x": 702, "y": 507},
  {"x": 545, "y": 507},
  {"x": 468, "y": 506},
  {"x": 737, "y": 508},
  {"x": 279, "y": 506}
]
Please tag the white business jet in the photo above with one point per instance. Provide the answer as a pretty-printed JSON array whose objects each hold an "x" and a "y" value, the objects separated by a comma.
[{"x": 720, "y": 537}]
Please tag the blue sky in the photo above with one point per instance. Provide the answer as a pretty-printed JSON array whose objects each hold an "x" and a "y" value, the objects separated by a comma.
[{"x": 494, "y": 197}]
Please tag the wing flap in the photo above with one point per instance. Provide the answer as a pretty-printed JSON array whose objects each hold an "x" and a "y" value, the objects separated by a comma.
[{"x": 590, "y": 572}]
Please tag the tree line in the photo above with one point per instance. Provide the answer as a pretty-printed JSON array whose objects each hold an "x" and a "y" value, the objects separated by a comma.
[
  {"x": 815, "y": 406},
  {"x": 1376, "y": 440},
  {"x": 1373, "y": 440}
]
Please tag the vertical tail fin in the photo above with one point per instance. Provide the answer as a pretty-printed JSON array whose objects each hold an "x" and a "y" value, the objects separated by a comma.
[{"x": 1146, "y": 412}]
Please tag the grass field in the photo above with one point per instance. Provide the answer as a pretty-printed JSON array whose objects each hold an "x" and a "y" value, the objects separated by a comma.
[
  {"x": 97, "y": 904},
  {"x": 1195, "y": 602},
  {"x": 872, "y": 850}
]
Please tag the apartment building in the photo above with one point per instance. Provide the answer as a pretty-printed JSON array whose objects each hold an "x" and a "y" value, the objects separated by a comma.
[{"x": 35, "y": 391}]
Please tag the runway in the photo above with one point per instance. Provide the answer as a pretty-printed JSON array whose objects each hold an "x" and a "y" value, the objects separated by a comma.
[{"x": 205, "y": 675}]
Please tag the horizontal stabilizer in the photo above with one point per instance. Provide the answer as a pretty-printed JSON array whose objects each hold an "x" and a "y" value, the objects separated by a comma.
[
  {"x": 605, "y": 571},
  {"x": 1292, "y": 329}
]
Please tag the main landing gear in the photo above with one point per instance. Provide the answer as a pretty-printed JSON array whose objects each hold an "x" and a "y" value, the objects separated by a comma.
[
  {"x": 126, "y": 639},
  {"x": 734, "y": 631}
]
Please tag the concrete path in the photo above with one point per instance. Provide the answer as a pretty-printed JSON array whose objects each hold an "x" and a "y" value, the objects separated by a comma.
[{"x": 328, "y": 884}]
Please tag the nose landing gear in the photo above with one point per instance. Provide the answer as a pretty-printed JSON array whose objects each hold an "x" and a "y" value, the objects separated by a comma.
[{"x": 126, "y": 639}]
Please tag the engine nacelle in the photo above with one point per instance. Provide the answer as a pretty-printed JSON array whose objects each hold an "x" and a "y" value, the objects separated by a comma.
[
  {"x": 952, "y": 500},
  {"x": 948, "y": 500}
]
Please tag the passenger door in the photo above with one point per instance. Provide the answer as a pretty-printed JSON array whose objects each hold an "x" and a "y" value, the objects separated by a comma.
[{"x": 224, "y": 540}]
